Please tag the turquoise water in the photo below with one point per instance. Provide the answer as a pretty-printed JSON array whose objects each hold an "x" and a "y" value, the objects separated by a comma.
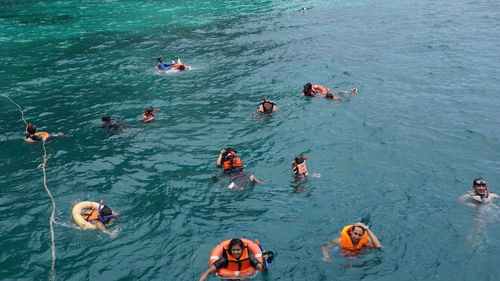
[{"x": 396, "y": 155}]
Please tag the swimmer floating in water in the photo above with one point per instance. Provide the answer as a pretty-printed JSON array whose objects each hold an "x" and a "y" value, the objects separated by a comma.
[
  {"x": 352, "y": 240},
  {"x": 311, "y": 90},
  {"x": 162, "y": 66},
  {"x": 480, "y": 194},
  {"x": 299, "y": 168},
  {"x": 236, "y": 257},
  {"x": 111, "y": 123},
  {"x": 233, "y": 167},
  {"x": 149, "y": 114},
  {"x": 267, "y": 106},
  {"x": 32, "y": 136},
  {"x": 100, "y": 218}
]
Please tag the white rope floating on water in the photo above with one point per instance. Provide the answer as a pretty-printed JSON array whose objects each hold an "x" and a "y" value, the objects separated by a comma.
[{"x": 45, "y": 158}]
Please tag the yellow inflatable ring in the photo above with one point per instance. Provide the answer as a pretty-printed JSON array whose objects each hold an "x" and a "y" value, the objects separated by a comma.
[
  {"x": 77, "y": 213},
  {"x": 44, "y": 135}
]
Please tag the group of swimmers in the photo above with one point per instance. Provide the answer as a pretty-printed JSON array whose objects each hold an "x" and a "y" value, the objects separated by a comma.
[{"x": 240, "y": 257}]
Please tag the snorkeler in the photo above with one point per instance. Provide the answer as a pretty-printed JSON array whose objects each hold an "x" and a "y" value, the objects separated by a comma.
[
  {"x": 267, "y": 106},
  {"x": 480, "y": 194},
  {"x": 149, "y": 114},
  {"x": 233, "y": 167},
  {"x": 299, "y": 167},
  {"x": 311, "y": 90},
  {"x": 352, "y": 240},
  {"x": 162, "y": 66},
  {"x": 100, "y": 217},
  {"x": 31, "y": 134}
]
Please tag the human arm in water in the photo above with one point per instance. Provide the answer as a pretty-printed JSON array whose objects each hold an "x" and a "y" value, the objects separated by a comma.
[
  {"x": 325, "y": 248},
  {"x": 210, "y": 270},
  {"x": 223, "y": 263},
  {"x": 465, "y": 197},
  {"x": 99, "y": 225}
]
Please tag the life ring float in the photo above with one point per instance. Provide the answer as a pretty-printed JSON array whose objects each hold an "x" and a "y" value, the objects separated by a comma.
[
  {"x": 247, "y": 271},
  {"x": 44, "y": 135},
  {"x": 77, "y": 213},
  {"x": 177, "y": 67}
]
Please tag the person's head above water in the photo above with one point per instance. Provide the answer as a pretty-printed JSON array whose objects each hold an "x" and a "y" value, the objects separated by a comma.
[
  {"x": 299, "y": 159},
  {"x": 106, "y": 118},
  {"x": 356, "y": 233},
  {"x": 149, "y": 110},
  {"x": 480, "y": 188},
  {"x": 106, "y": 214},
  {"x": 236, "y": 247},
  {"x": 182, "y": 67},
  {"x": 159, "y": 59},
  {"x": 307, "y": 88},
  {"x": 31, "y": 129}
]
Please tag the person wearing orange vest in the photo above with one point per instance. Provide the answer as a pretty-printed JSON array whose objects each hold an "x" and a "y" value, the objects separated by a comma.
[
  {"x": 100, "y": 217},
  {"x": 311, "y": 90},
  {"x": 235, "y": 257},
  {"x": 233, "y": 167},
  {"x": 353, "y": 238},
  {"x": 299, "y": 167},
  {"x": 32, "y": 136}
]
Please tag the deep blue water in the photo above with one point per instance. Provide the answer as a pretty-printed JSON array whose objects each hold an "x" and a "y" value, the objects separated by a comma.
[{"x": 397, "y": 154}]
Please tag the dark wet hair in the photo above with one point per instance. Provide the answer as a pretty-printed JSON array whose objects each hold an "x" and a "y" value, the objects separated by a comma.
[
  {"x": 158, "y": 58},
  {"x": 329, "y": 95},
  {"x": 299, "y": 159},
  {"x": 105, "y": 118},
  {"x": 149, "y": 109},
  {"x": 307, "y": 88},
  {"x": 479, "y": 182},
  {"x": 182, "y": 67},
  {"x": 106, "y": 214},
  {"x": 234, "y": 242},
  {"x": 359, "y": 227},
  {"x": 31, "y": 129}
]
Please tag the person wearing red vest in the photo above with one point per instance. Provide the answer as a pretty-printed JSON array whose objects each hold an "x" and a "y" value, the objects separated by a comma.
[{"x": 353, "y": 238}]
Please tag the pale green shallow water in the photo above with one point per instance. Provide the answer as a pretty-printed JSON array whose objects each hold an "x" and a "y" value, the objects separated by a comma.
[{"x": 398, "y": 154}]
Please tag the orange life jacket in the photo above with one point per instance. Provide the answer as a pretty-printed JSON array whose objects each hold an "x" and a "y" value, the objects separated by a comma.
[
  {"x": 232, "y": 163},
  {"x": 346, "y": 242},
  {"x": 90, "y": 215},
  {"x": 238, "y": 264}
]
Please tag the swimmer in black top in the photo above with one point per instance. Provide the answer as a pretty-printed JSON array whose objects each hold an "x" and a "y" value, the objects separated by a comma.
[{"x": 267, "y": 106}]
